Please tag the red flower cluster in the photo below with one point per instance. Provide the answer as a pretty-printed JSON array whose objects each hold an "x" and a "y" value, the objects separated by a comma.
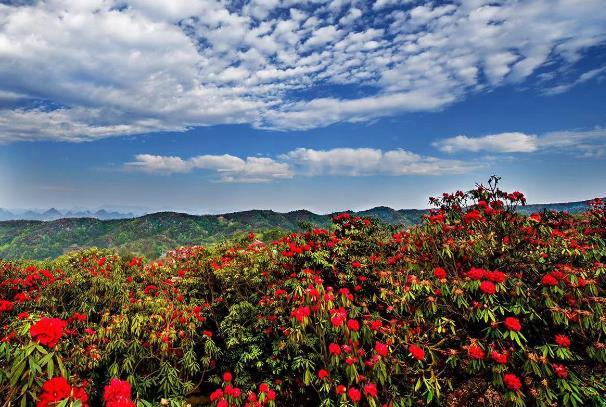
[
  {"x": 487, "y": 287},
  {"x": 5, "y": 306},
  {"x": 416, "y": 351},
  {"x": 560, "y": 370},
  {"x": 381, "y": 349},
  {"x": 476, "y": 352},
  {"x": 58, "y": 389},
  {"x": 562, "y": 340},
  {"x": 512, "y": 382},
  {"x": 500, "y": 358},
  {"x": 439, "y": 273},
  {"x": 512, "y": 324},
  {"x": 118, "y": 394},
  {"x": 48, "y": 331}
]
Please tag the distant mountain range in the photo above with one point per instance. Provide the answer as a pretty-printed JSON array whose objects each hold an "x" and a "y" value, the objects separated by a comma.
[
  {"x": 54, "y": 214},
  {"x": 152, "y": 235}
]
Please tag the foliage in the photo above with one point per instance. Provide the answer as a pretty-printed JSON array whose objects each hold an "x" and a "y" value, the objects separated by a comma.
[
  {"x": 153, "y": 235},
  {"x": 478, "y": 294}
]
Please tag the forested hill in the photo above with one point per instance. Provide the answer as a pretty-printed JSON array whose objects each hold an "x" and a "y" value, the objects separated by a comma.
[{"x": 152, "y": 235}]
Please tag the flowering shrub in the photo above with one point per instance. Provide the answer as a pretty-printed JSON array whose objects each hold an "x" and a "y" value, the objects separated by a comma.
[{"x": 477, "y": 305}]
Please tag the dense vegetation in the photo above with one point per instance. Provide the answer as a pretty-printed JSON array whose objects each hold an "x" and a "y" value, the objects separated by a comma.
[
  {"x": 477, "y": 305},
  {"x": 153, "y": 235}
]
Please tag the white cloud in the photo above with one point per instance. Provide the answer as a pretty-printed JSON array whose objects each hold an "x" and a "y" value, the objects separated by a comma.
[
  {"x": 589, "y": 142},
  {"x": 158, "y": 163},
  {"x": 117, "y": 67},
  {"x": 370, "y": 161},
  {"x": 228, "y": 167},
  {"x": 584, "y": 77},
  {"x": 351, "y": 162},
  {"x": 498, "y": 143}
]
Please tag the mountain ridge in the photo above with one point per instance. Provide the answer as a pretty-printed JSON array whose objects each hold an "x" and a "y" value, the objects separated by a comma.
[{"x": 153, "y": 234}]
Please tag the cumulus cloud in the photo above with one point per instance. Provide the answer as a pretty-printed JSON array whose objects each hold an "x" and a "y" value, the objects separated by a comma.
[
  {"x": 105, "y": 68},
  {"x": 497, "y": 143},
  {"x": 588, "y": 142},
  {"x": 371, "y": 161},
  {"x": 229, "y": 168},
  {"x": 351, "y": 162}
]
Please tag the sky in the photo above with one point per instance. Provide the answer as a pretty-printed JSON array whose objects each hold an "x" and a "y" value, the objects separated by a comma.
[{"x": 216, "y": 106}]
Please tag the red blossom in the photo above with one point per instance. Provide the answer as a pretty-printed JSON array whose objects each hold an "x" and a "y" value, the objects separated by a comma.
[
  {"x": 439, "y": 273},
  {"x": 48, "y": 331},
  {"x": 476, "y": 352},
  {"x": 118, "y": 394},
  {"x": 562, "y": 340},
  {"x": 512, "y": 382},
  {"x": 512, "y": 324},
  {"x": 381, "y": 349},
  {"x": 487, "y": 287},
  {"x": 416, "y": 351},
  {"x": 560, "y": 370},
  {"x": 354, "y": 394}
]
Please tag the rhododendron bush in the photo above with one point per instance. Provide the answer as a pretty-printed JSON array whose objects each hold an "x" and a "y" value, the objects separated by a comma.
[{"x": 478, "y": 305}]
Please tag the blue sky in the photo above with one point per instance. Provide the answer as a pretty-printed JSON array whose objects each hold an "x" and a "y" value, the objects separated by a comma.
[{"x": 210, "y": 106}]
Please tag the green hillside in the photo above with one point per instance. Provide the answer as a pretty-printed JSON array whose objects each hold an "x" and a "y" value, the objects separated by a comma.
[{"x": 154, "y": 234}]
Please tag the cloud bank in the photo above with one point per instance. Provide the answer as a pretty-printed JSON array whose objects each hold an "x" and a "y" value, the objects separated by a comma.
[
  {"x": 83, "y": 70},
  {"x": 350, "y": 162},
  {"x": 588, "y": 142}
]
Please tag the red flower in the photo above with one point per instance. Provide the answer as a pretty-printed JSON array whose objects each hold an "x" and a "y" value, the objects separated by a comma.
[
  {"x": 513, "y": 324},
  {"x": 376, "y": 325},
  {"x": 53, "y": 391},
  {"x": 439, "y": 273},
  {"x": 512, "y": 382},
  {"x": 560, "y": 370},
  {"x": 301, "y": 313},
  {"x": 476, "y": 273},
  {"x": 370, "y": 389},
  {"x": 340, "y": 389},
  {"x": 323, "y": 374},
  {"x": 549, "y": 280},
  {"x": 353, "y": 325},
  {"x": 227, "y": 376},
  {"x": 476, "y": 352},
  {"x": 216, "y": 395},
  {"x": 263, "y": 388},
  {"x": 381, "y": 349},
  {"x": 472, "y": 216},
  {"x": 232, "y": 391},
  {"x": 496, "y": 276},
  {"x": 57, "y": 389},
  {"x": 338, "y": 317},
  {"x": 78, "y": 393},
  {"x": 562, "y": 340},
  {"x": 271, "y": 395},
  {"x": 487, "y": 287},
  {"x": 334, "y": 349},
  {"x": 500, "y": 358},
  {"x": 48, "y": 331},
  {"x": 416, "y": 351},
  {"x": 5, "y": 306},
  {"x": 354, "y": 394},
  {"x": 118, "y": 394}
]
